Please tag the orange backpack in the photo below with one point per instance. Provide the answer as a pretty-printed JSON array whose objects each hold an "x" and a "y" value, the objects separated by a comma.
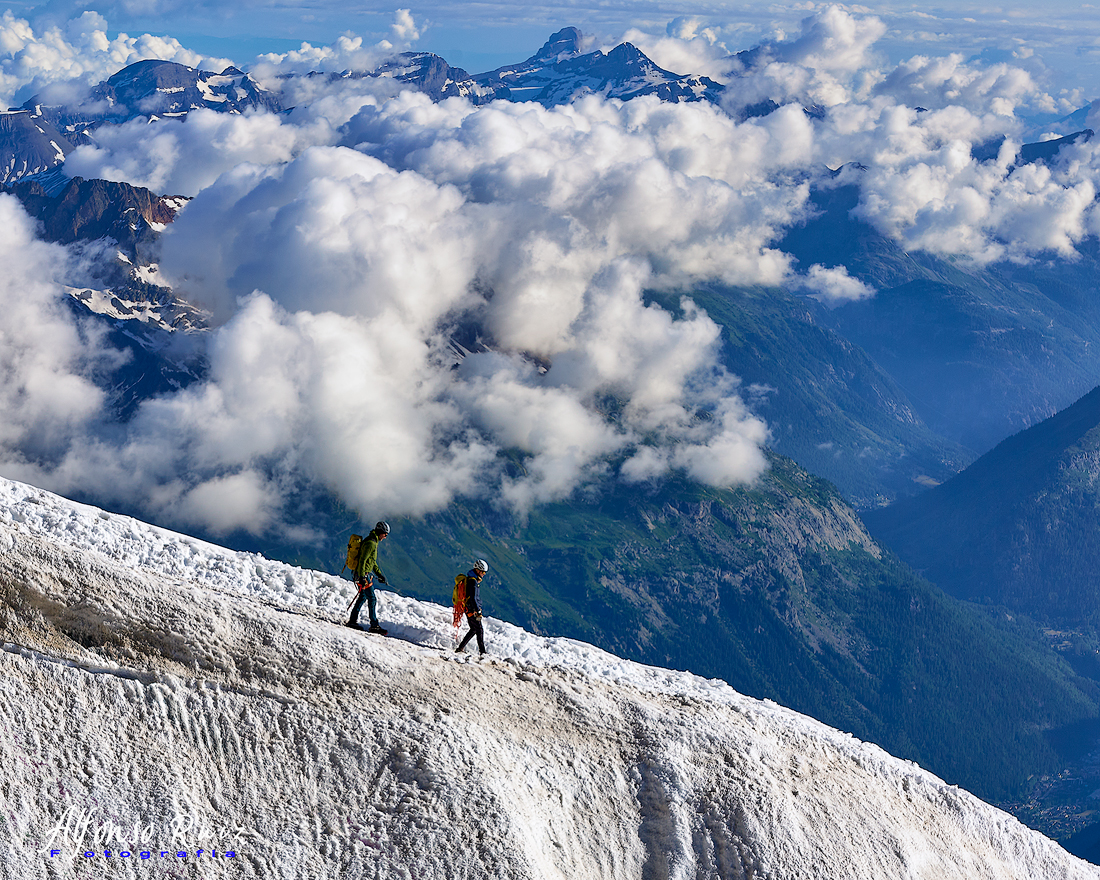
[{"x": 458, "y": 598}]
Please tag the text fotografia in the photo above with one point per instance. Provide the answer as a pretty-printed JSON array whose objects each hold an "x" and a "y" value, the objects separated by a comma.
[{"x": 150, "y": 854}]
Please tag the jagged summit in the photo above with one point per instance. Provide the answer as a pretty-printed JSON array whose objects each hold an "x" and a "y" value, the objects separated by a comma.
[
  {"x": 564, "y": 44},
  {"x": 557, "y": 74}
]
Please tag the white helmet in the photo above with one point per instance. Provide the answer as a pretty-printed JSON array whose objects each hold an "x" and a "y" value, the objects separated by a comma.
[{"x": 481, "y": 565}]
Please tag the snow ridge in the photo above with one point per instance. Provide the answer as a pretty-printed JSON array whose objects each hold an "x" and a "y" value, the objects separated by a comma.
[{"x": 170, "y": 699}]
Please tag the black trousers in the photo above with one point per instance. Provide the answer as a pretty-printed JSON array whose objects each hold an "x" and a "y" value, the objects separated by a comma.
[{"x": 476, "y": 629}]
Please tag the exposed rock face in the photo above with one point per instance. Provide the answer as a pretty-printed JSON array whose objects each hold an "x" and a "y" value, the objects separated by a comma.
[
  {"x": 122, "y": 280},
  {"x": 91, "y": 209},
  {"x": 29, "y": 144},
  {"x": 432, "y": 75}
]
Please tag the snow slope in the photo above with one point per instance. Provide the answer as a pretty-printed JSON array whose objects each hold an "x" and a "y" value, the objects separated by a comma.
[{"x": 168, "y": 701}]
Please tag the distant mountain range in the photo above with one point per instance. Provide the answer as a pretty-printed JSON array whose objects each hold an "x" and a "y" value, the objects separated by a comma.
[
  {"x": 557, "y": 74},
  {"x": 37, "y": 136}
]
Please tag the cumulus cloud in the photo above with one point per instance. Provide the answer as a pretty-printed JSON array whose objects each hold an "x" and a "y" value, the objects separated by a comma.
[
  {"x": 922, "y": 131},
  {"x": 689, "y": 45},
  {"x": 950, "y": 82},
  {"x": 334, "y": 230},
  {"x": 184, "y": 157},
  {"x": 831, "y": 62},
  {"x": 832, "y": 285},
  {"x": 922, "y": 184},
  {"x": 832, "y": 40},
  {"x": 340, "y": 371},
  {"x": 350, "y": 52},
  {"x": 684, "y": 186},
  {"x": 49, "y": 363},
  {"x": 398, "y": 260}
]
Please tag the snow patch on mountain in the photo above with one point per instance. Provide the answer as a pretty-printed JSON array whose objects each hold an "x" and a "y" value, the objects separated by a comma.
[
  {"x": 105, "y": 302},
  {"x": 166, "y": 699}
]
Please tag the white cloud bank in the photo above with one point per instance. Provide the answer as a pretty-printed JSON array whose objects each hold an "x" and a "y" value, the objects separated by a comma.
[
  {"x": 47, "y": 369},
  {"x": 343, "y": 247}
]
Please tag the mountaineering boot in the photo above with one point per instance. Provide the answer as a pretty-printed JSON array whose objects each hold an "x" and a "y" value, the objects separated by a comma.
[
  {"x": 351, "y": 624},
  {"x": 375, "y": 628}
]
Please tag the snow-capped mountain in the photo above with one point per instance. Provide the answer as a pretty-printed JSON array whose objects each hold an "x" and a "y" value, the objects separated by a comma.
[
  {"x": 557, "y": 74},
  {"x": 166, "y": 89},
  {"x": 167, "y": 700},
  {"x": 37, "y": 137}
]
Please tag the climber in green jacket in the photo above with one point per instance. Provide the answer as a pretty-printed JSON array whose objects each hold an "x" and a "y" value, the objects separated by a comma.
[{"x": 365, "y": 572}]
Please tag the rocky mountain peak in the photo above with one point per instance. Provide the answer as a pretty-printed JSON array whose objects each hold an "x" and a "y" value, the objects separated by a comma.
[{"x": 564, "y": 44}]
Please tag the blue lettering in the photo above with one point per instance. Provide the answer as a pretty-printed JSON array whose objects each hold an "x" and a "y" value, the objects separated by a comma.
[
  {"x": 230, "y": 854},
  {"x": 145, "y": 855},
  {"x": 54, "y": 852},
  {"x": 89, "y": 855},
  {"x": 107, "y": 853},
  {"x": 199, "y": 852},
  {"x": 181, "y": 855},
  {"x": 124, "y": 855}
]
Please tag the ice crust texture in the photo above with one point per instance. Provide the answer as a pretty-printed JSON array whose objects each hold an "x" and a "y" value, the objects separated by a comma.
[{"x": 161, "y": 694}]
